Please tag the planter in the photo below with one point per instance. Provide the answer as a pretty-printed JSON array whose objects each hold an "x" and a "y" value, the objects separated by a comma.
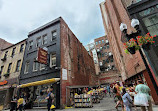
[
  {"x": 146, "y": 46},
  {"x": 131, "y": 50}
]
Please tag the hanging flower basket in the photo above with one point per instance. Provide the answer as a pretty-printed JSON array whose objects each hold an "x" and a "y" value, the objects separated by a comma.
[
  {"x": 132, "y": 50},
  {"x": 146, "y": 41},
  {"x": 131, "y": 46},
  {"x": 146, "y": 46}
]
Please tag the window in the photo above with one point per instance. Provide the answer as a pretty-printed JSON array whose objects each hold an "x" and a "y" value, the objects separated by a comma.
[
  {"x": 13, "y": 51},
  {"x": 35, "y": 66},
  {"x": 38, "y": 41},
  {"x": 6, "y": 54},
  {"x": 30, "y": 45},
  {"x": 107, "y": 41},
  {"x": 107, "y": 61},
  {"x": 100, "y": 63},
  {"x": 99, "y": 42},
  {"x": 138, "y": 0},
  {"x": 110, "y": 53},
  {"x": 45, "y": 39},
  {"x": 54, "y": 35},
  {"x": 18, "y": 65},
  {"x": 96, "y": 43},
  {"x": 27, "y": 67},
  {"x": 53, "y": 60},
  {"x": 151, "y": 22},
  {"x": 107, "y": 46},
  {"x": 42, "y": 66},
  {"x": 102, "y": 41},
  {"x": 1, "y": 70},
  {"x": 9, "y": 68},
  {"x": 22, "y": 48}
]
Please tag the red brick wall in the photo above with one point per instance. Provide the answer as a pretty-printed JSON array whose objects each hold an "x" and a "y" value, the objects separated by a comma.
[
  {"x": 4, "y": 44},
  {"x": 128, "y": 65},
  {"x": 77, "y": 61}
]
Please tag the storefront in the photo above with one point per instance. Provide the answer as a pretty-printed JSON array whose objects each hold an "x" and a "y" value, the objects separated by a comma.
[
  {"x": 36, "y": 92},
  {"x": 7, "y": 90}
]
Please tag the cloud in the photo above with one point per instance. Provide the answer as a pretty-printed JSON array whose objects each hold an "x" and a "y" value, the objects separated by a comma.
[{"x": 22, "y": 16}]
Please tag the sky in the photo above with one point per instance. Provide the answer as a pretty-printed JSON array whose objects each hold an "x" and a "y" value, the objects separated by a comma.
[{"x": 19, "y": 17}]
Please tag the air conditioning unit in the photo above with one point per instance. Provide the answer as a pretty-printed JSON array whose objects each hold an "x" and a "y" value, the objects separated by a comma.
[{"x": 101, "y": 64}]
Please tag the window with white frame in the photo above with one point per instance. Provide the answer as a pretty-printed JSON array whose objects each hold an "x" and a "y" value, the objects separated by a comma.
[
  {"x": 35, "y": 66},
  {"x": 102, "y": 41},
  {"x": 42, "y": 66},
  {"x": 53, "y": 60},
  {"x": 38, "y": 41},
  {"x": 54, "y": 35},
  {"x": 99, "y": 42},
  {"x": 30, "y": 45},
  {"x": 45, "y": 39},
  {"x": 27, "y": 67}
]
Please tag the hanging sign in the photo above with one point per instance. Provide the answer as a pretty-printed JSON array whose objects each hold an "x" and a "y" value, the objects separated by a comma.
[{"x": 42, "y": 56}]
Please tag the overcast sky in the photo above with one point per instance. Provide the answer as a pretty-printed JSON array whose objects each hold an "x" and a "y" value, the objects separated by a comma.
[{"x": 19, "y": 17}]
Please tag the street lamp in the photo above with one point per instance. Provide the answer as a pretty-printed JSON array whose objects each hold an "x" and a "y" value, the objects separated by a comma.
[{"x": 135, "y": 24}]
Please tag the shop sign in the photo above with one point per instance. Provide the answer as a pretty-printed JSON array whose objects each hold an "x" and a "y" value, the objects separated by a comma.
[
  {"x": 3, "y": 82},
  {"x": 42, "y": 56}
]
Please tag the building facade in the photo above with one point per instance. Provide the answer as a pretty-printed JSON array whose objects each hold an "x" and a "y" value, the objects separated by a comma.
[
  {"x": 68, "y": 63},
  {"x": 131, "y": 67},
  {"x": 108, "y": 71},
  {"x": 10, "y": 67}
]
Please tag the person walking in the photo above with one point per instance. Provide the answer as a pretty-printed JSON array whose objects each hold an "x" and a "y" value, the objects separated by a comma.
[
  {"x": 108, "y": 89},
  {"x": 13, "y": 104},
  {"x": 50, "y": 99},
  {"x": 127, "y": 101},
  {"x": 144, "y": 89},
  {"x": 118, "y": 95}
]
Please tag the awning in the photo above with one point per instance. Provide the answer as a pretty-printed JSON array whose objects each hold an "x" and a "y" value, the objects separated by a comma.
[{"x": 47, "y": 81}]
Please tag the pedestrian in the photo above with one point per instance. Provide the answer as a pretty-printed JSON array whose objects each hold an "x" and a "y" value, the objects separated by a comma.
[
  {"x": 50, "y": 99},
  {"x": 13, "y": 104},
  {"x": 144, "y": 89},
  {"x": 20, "y": 103},
  {"x": 108, "y": 90},
  {"x": 127, "y": 101},
  {"x": 118, "y": 95}
]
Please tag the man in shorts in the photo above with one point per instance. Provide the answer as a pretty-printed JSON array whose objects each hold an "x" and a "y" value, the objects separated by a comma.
[{"x": 118, "y": 95}]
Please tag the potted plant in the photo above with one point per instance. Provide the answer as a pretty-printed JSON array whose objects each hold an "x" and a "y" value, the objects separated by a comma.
[
  {"x": 131, "y": 46},
  {"x": 145, "y": 41}
]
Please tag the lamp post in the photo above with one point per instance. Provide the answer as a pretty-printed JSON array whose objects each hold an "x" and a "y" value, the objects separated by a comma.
[{"x": 135, "y": 24}]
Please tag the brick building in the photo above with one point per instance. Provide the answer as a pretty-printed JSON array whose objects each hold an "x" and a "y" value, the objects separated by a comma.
[
  {"x": 11, "y": 59},
  {"x": 67, "y": 61},
  {"x": 4, "y": 44},
  {"x": 131, "y": 67},
  {"x": 108, "y": 72}
]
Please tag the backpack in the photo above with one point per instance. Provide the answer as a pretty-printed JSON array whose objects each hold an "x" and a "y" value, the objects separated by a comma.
[{"x": 114, "y": 90}]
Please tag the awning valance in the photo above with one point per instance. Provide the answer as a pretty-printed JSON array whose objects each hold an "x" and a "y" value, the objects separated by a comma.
[{"x": 47, "y": 81}]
